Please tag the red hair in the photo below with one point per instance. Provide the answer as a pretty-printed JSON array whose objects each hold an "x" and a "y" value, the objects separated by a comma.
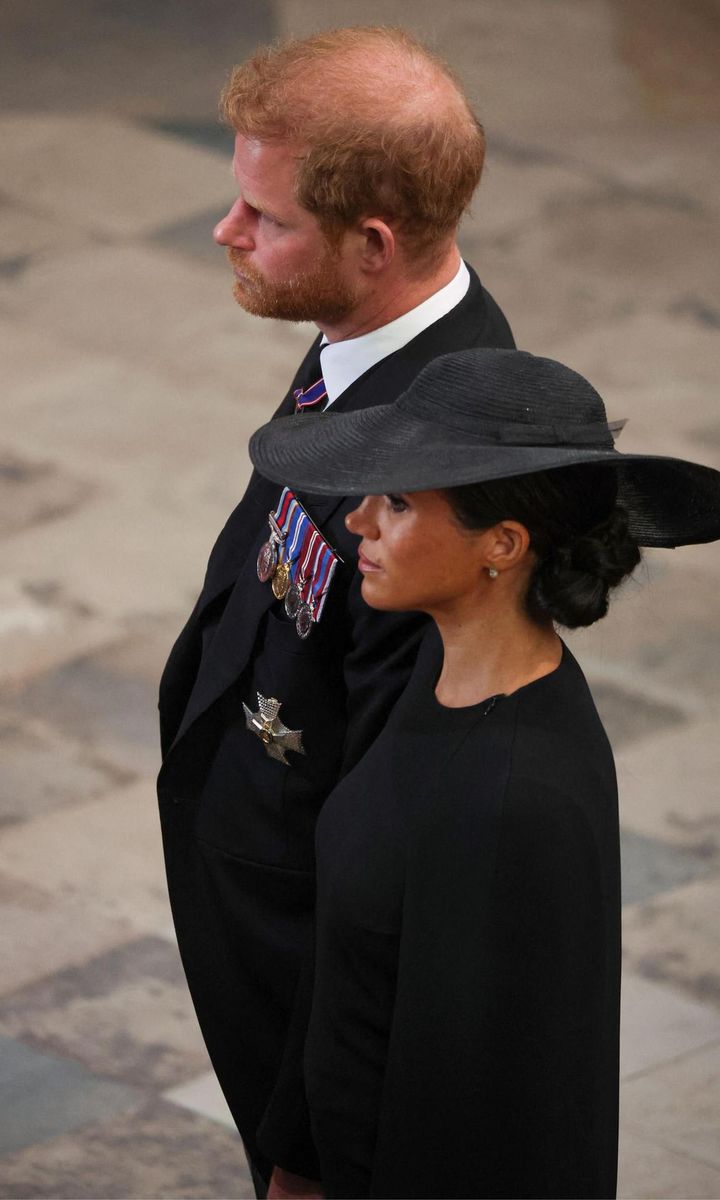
[{"x": 382, "y": 127}]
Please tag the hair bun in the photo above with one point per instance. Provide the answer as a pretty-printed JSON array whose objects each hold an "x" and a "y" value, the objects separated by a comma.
[{"x": 572, "y": 584}]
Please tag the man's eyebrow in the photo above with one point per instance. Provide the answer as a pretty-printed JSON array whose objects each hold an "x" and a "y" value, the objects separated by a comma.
[{"x": 262, "y": 208}]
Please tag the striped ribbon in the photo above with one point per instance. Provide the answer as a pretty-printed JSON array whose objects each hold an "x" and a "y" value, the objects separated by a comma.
[
  {"x": 311, "y": 396},
  {"x": 312, "y": 560}
]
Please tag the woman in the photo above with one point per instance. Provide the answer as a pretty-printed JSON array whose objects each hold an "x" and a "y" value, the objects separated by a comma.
[{"x": 464, "y": 1031}]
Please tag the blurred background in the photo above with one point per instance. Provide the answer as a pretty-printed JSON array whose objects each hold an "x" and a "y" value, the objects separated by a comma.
[{"x": 131, "y": 381}]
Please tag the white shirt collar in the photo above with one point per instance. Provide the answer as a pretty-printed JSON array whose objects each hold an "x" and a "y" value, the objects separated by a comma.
[{"x": 344, "y": 362}]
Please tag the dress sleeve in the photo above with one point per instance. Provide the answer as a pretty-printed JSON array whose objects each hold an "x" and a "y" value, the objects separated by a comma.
[{"x": 501, "y": 1077}]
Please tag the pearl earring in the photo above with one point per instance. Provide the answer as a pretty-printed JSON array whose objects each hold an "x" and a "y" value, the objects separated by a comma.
[{"x": 493, "y": 572}]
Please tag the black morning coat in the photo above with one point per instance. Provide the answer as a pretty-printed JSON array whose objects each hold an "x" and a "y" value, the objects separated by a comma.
[{"x": 238, "y": 827}]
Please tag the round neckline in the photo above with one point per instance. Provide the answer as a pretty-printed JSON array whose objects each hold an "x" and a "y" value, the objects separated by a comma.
[
  {"x": 469, "y": 709},
  {"x": 491, "y": 701}
]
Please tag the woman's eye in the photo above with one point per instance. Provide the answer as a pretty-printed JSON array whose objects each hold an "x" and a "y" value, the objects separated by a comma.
[{"x": 397, "y": 503}]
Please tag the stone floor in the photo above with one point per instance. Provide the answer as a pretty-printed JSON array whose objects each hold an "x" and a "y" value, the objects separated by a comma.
[{"x": 131, "y": 382}]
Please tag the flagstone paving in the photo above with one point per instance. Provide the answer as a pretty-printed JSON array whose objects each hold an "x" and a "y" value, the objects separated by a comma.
[{"x": 130, "y": 384}]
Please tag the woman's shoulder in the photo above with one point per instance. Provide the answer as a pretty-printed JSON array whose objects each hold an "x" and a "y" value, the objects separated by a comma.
[
  {"x": 559, "y": 736},
  {"x": 541, "y": 750},
  {"x": 561, "y": 788}
]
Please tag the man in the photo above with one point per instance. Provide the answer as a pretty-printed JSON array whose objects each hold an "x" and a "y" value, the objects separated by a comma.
[{"x": 355, "y": 157}]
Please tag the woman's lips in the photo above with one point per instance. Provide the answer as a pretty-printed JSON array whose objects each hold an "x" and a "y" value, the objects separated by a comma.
[{"x": 366, "y": 565}]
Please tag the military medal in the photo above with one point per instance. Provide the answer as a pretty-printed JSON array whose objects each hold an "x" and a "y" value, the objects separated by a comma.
[
  {"x": 268, "y": 555},
  {"x": 304, "y": 620},
  {"x": 275, "y": 737},
  {"x": 281, "y": 580},
  {"x": 297, "y": 562},
  {"x": 293, "y": 598},
  {"x": 312, "y": 549},
  {"x": 266, "y": 560}
]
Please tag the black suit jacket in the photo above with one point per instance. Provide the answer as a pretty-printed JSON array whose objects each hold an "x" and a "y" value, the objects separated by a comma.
[{"x": 238, "y": 827}]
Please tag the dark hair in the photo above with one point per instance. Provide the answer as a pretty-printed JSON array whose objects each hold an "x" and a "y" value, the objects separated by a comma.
[{"x": 577, "y": 530}]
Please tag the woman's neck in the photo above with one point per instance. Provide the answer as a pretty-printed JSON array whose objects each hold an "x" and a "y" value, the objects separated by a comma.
[{"x": 491, "y": 650}]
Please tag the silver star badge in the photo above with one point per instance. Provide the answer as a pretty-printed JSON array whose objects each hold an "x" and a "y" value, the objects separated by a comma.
[{"x": 275, "y": 737}]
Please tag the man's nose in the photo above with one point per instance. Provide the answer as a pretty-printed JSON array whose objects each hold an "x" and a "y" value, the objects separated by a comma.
[{"x": 233, "y": 229}]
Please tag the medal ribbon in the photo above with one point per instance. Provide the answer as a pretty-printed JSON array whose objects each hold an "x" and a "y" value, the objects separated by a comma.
[
  {"x": 305, "y": 572},
  {"x": 311, "y": 559},
  {"x": 297, "y": 528},
  {"x": 322, "y": 580},
  {"x": 314, "y": 553},
  {"x": 282, "y": 511},
  {"x": 305, "y": 533}
]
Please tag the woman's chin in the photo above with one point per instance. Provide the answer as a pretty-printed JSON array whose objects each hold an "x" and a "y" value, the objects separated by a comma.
[
  {"x": 376, "y": 595},
  {"x": 381, "y": 597}
]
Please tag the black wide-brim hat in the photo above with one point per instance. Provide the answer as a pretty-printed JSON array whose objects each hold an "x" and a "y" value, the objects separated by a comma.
[{"x": 478, "y": 415}]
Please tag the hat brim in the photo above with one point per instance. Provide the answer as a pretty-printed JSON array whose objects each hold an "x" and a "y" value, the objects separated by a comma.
[{"x": 383, "y": 449}]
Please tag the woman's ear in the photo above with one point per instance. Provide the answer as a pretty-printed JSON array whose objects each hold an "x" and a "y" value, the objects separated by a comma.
[{"x": 507, "y": 546}]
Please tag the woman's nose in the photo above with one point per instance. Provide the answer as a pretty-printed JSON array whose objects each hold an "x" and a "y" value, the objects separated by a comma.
[
  {"x": 233, "y": 229},
  {"x": 358, "y": 521}
]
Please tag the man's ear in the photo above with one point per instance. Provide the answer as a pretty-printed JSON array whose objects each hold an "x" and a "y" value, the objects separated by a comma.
[{"x": 378, "y": 244}]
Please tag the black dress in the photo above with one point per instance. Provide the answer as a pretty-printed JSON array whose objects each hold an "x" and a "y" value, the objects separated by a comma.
[{"x": 465, "y": 1022}]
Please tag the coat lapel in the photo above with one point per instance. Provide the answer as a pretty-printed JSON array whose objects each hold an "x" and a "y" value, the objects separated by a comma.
[{"x": 232, "y": 642}]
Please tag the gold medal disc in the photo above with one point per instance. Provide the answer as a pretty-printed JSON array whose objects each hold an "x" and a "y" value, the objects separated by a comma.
[{"x": 281, "y": 580}]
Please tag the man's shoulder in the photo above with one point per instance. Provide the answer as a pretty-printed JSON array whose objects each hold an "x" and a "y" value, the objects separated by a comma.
[
  {"x": 492, "y": 326},
  {"x": 476, "y": 321}
]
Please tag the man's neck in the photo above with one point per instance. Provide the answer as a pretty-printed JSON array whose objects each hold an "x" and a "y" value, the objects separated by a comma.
[{"x": 393, "y": 299}]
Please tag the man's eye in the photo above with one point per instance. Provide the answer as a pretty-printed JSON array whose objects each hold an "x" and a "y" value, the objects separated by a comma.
[{"x": 397, "y": 503}]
